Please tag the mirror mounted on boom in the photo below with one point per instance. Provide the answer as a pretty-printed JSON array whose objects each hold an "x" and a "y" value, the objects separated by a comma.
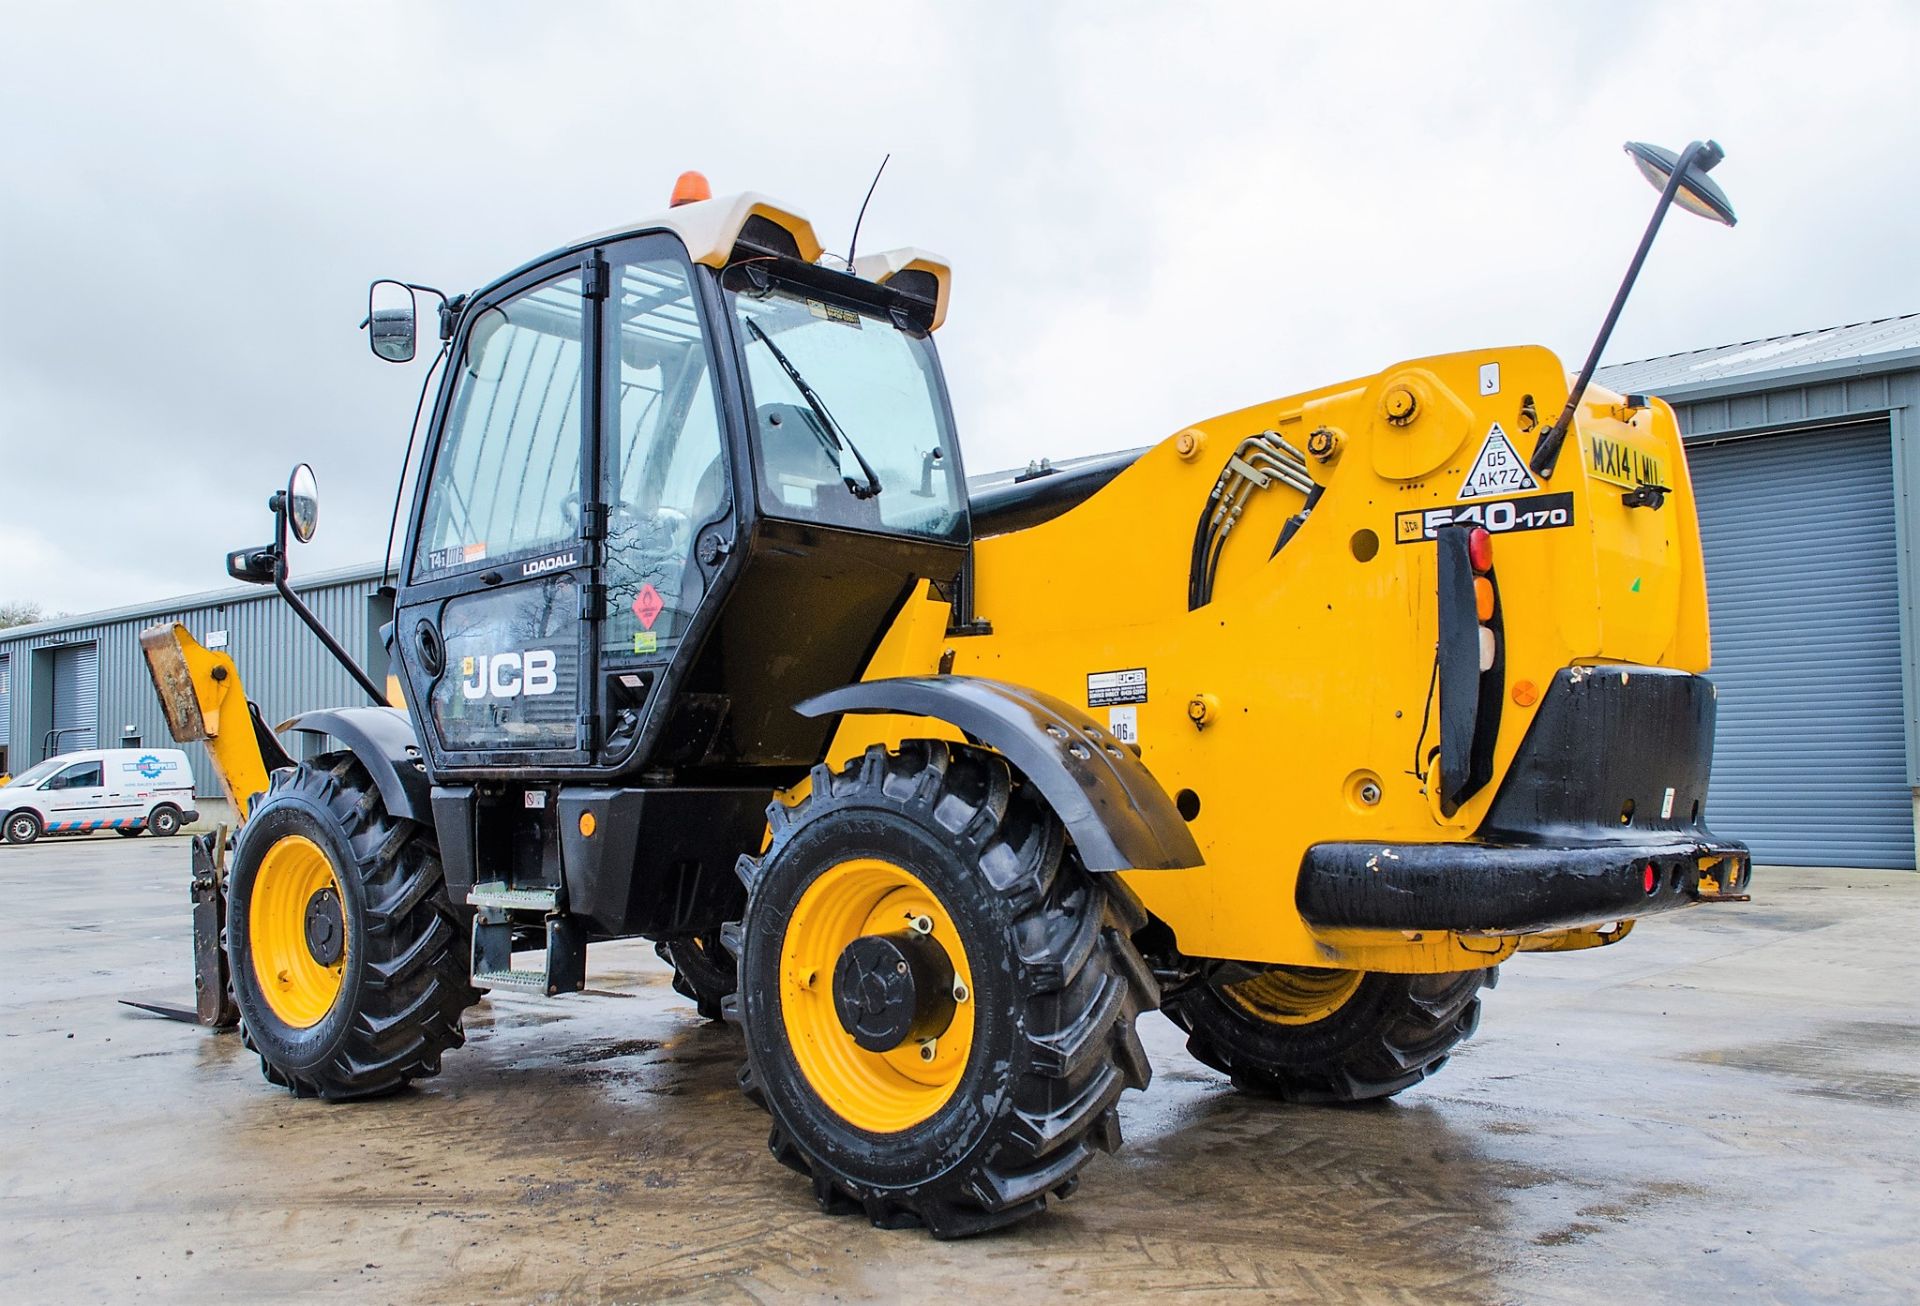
[
  {"x": 1682, "y": 180},
  {"x": 296, "y": 513}
]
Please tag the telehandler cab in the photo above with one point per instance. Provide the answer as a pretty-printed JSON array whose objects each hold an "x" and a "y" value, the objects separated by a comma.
[{"x": 1294, "y": 725}]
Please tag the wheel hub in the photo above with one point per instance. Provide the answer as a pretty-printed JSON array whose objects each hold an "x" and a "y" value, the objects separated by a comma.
[
  {"x": 890, "y": 988},
  {"x": 326, "y": 927}
]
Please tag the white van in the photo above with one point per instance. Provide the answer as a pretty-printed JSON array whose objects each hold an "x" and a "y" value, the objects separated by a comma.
[{"x": 123, "y": 789}]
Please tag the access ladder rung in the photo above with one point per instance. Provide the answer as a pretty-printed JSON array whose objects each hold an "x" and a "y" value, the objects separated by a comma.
[
  {"x": 531, "y": 981},
  {"x": 501, "y": 898}
]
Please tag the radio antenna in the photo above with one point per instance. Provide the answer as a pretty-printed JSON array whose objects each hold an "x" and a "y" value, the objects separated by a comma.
[{"x": 855, "y": 242}]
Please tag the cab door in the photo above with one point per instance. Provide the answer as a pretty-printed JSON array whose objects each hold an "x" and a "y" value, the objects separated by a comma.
[
  {"x": 74, "y": 796},
  {"x": 494, "y": 622}
]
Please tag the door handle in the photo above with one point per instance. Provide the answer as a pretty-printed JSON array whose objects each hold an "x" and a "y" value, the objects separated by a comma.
[{"x": 426, "y": 642}]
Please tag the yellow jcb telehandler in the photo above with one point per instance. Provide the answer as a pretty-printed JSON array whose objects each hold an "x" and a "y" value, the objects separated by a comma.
[{"x": 1294, "y": 725}]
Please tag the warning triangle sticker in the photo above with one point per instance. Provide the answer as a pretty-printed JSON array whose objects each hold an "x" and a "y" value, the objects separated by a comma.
[{"x": 1499, "y": 469}]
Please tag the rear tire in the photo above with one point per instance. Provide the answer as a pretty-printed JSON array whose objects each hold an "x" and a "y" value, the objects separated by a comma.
[
  {"x": 164, "y": 821},
  {"x": 23, "y": 827},
  {"x": 704, "y": 972},
  {"x": 1311, "y": 1036},
  {"x": 369, "y": 997},
  {"x": 1022, "y": 1085}
]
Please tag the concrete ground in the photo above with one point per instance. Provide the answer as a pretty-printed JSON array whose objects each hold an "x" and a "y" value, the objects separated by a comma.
[{"x": 1723, "y": 1105}]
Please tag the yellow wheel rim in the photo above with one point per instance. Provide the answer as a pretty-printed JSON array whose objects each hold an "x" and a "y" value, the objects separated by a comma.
[
  {"x": 1294, "y": 995},
  {"x": 881, "y": 1092},
  {"x": 299, "y": 988}
]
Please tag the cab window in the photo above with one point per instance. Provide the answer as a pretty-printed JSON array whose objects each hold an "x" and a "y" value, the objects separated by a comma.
[
  {"x": 665, "y": 472},
  {"x": 850, "y": 425},
  {"x": 83, "y": 775},
  {"x": 506, "y": 480}
]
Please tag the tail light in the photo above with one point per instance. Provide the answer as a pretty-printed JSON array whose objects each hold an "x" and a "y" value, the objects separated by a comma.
[{"x": 1480, "y": 555}]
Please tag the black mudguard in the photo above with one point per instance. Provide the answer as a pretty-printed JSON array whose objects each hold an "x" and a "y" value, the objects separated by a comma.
[
  {"x": 382, "y": 738},
  {"x": 1117, "y": 813}
]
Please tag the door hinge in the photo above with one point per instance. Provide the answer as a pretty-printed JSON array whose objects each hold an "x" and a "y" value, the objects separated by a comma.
[
  {"x": 593, "y": 278},
  {"x": 592, "y": 597},
  {"x": 584, "y": 731},
  {"x": 593, "y": 521}
]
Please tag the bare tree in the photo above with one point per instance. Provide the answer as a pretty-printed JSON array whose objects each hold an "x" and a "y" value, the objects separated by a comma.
[{"x": 20, "y": 612}]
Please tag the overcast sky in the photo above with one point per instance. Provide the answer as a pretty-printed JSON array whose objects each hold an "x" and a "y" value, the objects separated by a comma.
[{"x": 1155, "y": 212}]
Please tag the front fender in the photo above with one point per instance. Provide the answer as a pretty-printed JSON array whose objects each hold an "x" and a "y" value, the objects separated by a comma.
[
  {"x": 382, "y": 738},
  {"x": 1117, "y": 813}
]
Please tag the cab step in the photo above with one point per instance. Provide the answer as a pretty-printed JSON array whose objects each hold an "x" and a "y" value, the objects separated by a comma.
[
  {"x": 563, "y": 968},
  {"x": 502, "y": 898}
]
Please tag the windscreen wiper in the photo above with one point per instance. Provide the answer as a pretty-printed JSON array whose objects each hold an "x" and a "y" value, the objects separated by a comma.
[{"x": 867, "y": 484}]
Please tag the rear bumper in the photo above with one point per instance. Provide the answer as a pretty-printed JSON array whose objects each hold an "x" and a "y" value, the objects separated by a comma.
[{"x": 1481, "y": 889}]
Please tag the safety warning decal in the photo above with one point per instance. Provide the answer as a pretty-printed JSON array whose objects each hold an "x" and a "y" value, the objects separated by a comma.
[
  {"x": 1499, "y": 469},
  {"x": 647, "y": 605},
  {"x": 1536, "y": 512},
  {"x": 1116, "y": 688}
]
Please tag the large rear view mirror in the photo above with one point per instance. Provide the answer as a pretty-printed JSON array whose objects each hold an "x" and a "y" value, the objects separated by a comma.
[
  {"x": 303, "y": 503},
  {"x": 390, "y": 321}
]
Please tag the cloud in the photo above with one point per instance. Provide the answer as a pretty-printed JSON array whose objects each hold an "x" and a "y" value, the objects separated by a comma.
[{"x": 1155, "y": 213}]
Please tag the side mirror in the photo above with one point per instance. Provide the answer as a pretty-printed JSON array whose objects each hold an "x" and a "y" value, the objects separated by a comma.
[
  {"x": 303, "y": 503},
  {"x": 390, "y": 321}
]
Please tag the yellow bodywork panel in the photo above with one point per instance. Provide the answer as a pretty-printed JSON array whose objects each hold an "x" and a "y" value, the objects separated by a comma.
[
  {"x": 201, "y": 694},
  {"x": 1312, "y": 668}
]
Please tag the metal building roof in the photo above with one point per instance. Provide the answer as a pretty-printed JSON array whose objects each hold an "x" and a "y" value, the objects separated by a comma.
[
  {"x": 1879, "y": 345},
  {"x": 366, "y": 571}
]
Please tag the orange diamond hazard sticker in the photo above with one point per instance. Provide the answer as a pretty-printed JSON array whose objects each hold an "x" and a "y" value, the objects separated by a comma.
[{"x": 646, "y": 606}]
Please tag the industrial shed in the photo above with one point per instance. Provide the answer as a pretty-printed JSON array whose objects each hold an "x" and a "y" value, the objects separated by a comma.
[
  {"x": 80, "y": 682},
  {"x": 1805, "y": 463}
]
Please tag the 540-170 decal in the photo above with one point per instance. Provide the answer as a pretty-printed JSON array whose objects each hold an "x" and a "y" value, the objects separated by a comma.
[{"x": 1535, "y": 512}]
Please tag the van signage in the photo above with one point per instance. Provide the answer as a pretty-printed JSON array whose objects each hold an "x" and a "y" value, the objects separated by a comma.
[{"x": 150, "y": 766}]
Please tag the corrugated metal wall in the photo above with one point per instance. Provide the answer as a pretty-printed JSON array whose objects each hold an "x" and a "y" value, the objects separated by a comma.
[
  {"x": 1809, "y": 763},
  {"x": 283, "y": 666}
]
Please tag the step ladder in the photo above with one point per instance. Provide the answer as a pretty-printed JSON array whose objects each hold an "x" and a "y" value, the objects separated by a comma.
[{"x": 500, "y": 907}]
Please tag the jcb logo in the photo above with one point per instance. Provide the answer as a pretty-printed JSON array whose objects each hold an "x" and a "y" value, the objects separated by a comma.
[{"x": 510, "y": 675}]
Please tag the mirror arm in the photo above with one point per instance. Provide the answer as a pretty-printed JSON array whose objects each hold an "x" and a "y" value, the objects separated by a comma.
[
  {"x": 279, "y": 505},
  {"x": 1547, "y": 452}
]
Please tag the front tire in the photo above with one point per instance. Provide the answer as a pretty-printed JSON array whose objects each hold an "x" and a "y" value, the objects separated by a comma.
[
  {"x": 1012, "y": 1019},
  {"x": 23, "y": 827},
  {"x": 1317, "y": 1036},
  {"x": 164, "y": 822},
  {"x": 344, "y": 949}
]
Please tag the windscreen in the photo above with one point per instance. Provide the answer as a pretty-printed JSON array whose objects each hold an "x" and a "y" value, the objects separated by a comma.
[{"x": 850, "y": 423}]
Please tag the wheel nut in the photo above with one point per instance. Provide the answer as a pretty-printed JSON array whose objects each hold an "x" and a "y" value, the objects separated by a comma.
[
  {"x": 960, "y": 993},
  {"x": 921, "y": 925},
  {"x": 928, "y": 1051}
]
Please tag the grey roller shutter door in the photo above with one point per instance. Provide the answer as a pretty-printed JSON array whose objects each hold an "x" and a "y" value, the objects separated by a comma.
[
  {"x": 76, "y": 697},
  {"x": 1809, "y": 762}
]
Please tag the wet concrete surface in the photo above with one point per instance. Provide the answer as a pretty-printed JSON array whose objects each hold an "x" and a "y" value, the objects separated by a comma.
[{"x": 1722, "y": 1105}]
